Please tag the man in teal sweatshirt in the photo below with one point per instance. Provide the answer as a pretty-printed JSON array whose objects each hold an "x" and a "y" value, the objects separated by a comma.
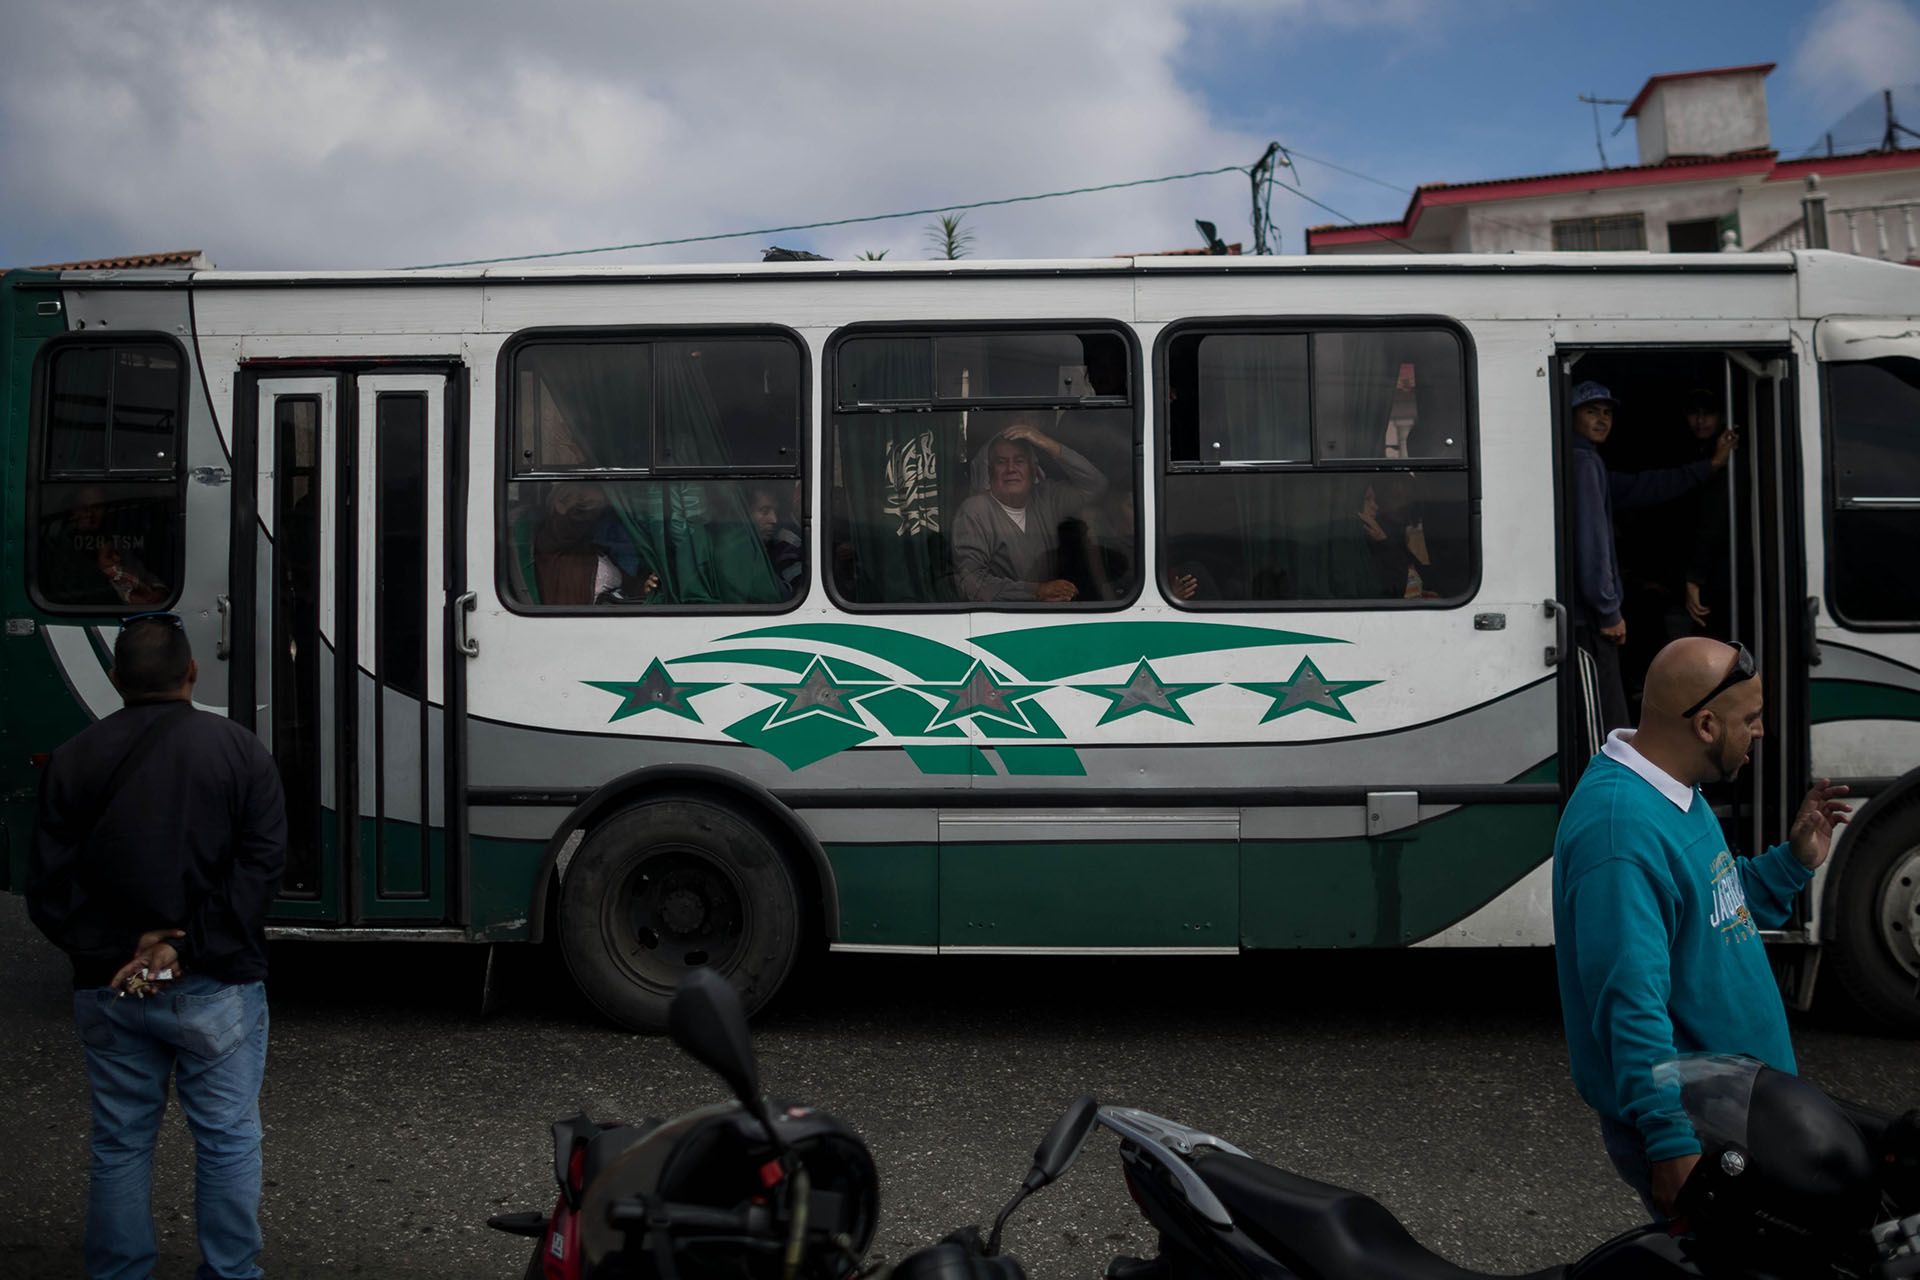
[{"x": 1656, "y": 925}]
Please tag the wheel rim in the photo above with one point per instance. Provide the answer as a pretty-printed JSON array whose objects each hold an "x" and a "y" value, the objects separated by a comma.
[
  {"x": 677, "y": 909},
  {"x": 1900, "y": 912}
]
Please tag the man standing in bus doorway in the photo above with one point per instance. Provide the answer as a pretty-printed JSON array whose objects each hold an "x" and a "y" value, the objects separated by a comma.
[
  {"x": 1656, "y": 924},
  {"x": 1596, "y": 492},
  {"x": 159, "y": 844}
]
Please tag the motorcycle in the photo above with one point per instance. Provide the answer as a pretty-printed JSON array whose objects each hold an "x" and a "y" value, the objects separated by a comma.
[
  {"x": 1790, "y": 1183},
  {"x": 746, "y": 1189}
]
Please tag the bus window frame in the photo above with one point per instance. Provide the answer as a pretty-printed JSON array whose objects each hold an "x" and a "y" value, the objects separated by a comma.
[
  {"x": 1135, "y": 403},
  {"x": 1830, "y": 506},
  {"x": 1310, "y": 325},
  {"x": 506, "y": 401},
  {"x": 36, "y": 478}
]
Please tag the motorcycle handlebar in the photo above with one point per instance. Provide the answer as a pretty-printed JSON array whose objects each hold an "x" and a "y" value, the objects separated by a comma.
[{"x": 635, "y": 1212}]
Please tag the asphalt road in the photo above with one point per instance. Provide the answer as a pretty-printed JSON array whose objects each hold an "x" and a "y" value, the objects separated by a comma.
[{"x": 398, "y": 1118}]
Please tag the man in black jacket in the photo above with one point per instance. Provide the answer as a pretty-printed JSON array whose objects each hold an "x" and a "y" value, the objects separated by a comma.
[{"x": 161, "y": 836}]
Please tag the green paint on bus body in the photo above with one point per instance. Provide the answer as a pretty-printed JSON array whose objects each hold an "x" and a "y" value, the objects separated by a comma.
[
  {"x": 1075, "y": 648},
  {"x": 504, "y": 874},
  {"x": 1254, "y": 894},
  {"x": 1831, "y": 700}
]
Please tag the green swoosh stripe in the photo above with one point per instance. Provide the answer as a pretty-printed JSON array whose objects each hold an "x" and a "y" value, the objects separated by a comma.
[
  {"x": 792, "y": 660},
  {"x": 924, "y": 658},
  {"x": 1075, "y": 648}
]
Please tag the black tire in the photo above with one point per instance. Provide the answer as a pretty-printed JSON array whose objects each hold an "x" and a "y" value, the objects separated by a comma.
[
  {"x": 670, "y": 885},
  {"x": 1876, "y": 937}
]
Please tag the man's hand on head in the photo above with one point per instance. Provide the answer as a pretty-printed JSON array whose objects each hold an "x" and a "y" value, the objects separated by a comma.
[
  {"x": 1668, "y": 1177},
  {"x": 1811, "y": 836},
  {"x": 1033, "y": 436}
]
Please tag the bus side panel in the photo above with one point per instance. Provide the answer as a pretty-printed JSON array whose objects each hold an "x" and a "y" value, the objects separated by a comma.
[
  {"x": 1392, "y": 890},
  {"x": 37, "y": 713}
]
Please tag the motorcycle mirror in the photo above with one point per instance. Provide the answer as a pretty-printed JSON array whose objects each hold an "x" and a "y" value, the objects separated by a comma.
[
  {"x": 1058, "y": 1150},
  {"x": 1052, "y": 1158},
  {"x": 705, "y": 1019}
]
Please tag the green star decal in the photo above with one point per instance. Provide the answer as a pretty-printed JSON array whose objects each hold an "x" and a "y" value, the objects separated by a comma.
[
  {"x": 819, "y": 694},
  {"x": 653, "y": 691},
  {"x": 1308, "y": 690},
  {"x": 980, "y": 695},
  {"x": 1143, "y": 691}
]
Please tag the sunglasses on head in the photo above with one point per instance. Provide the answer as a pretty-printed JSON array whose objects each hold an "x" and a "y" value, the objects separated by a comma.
[
  {"x": 135, "y": 619},
  {"x": 1741, "y": 670}
]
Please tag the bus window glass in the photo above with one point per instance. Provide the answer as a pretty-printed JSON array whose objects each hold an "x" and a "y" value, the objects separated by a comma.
[
  {"x": 1874, "y": 419},
  {"x": 937, "y": 502},
  {"x": 1286, "y": 468},
  {"x": 1243, "y": 399},
  {"x": 1282, "y": 536},
  {"x": 1030, "y": 366},
  {"x": 79, "y": 385},
  {"x": 628, "y": 488},
  {"x": 110, "y": 546},
  {"x": 1387, "y": 395},
  {"x": 879, "y": 370},
  {"x": 580, "y": 543},
  {"x": 106, "y": 496},
  {"x": 584, "y": 406},
  {"x": 728, "y": 404},
  {"x": 146, "y": 389}
]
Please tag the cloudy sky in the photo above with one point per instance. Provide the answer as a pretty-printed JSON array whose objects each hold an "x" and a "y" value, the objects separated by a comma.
[{"x": 289, "y": 134}]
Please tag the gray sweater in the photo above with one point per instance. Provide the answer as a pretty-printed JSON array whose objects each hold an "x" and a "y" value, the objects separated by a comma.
[{"x": 997, "y": 559}]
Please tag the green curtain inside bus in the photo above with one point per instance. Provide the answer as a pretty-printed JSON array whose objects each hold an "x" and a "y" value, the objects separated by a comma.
[
  {"x": 696, "y": 535},
  {"x": 904, "y": 477},
  {"x": 1299, "y": 534}
]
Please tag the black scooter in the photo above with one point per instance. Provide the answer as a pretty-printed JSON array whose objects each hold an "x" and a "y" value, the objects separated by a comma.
[
  {"x": 742, "y": 1190},
  {"x": 1790, "y": 1184}
]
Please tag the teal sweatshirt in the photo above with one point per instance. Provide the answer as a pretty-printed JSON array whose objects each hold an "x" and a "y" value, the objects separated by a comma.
[{"x": 1656, "y": 935}]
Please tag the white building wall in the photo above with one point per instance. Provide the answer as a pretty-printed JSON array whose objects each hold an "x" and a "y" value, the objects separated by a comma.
[{"x": 1703, "y": 116}]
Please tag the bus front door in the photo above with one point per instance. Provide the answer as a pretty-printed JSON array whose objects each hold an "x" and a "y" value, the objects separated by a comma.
[
  {"x": 342, "y": 661},
  {"x": 1735, "y": 540}
]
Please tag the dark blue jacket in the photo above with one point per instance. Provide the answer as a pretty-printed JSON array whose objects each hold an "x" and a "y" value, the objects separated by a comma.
[{"x": 1596, "y": 492}]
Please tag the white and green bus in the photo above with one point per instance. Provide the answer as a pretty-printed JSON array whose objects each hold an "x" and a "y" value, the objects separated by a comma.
[{"x": 675, "y": 614}]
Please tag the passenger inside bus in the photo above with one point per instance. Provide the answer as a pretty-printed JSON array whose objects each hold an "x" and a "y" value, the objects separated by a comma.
[
  {"x": 1007, "y": 535},
  {"x": 1672, "y": 421},
  {"x": 94, "y": 552},
  {"x": 567, "y": 556},
  {"x": 780, "y": 535}
]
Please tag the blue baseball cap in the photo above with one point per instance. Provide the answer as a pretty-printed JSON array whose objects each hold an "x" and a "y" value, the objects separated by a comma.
[{"x": 1588, "y": 392}]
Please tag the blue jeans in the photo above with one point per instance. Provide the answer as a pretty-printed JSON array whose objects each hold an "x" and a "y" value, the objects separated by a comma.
[
  {"x": 1628, "y": 1151},
  {"x": 212, "y": 1038}
]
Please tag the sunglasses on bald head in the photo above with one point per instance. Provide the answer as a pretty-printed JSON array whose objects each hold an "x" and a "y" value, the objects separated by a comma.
[
  {"x": 1741, "y": 670},
  {"x": 163, "y": 617}
]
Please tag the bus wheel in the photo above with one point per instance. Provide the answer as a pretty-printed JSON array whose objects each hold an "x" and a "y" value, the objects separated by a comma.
[
  {"x": 672, "y": 885},
  {"x": 1876, "y": 951}
]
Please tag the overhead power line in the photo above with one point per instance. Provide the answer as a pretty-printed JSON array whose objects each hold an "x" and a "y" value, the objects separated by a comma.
[{"x": 838, "y": 222}]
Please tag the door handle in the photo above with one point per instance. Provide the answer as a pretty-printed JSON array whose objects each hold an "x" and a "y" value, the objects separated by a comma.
[
  {"x": 1557, "y": 651},
  {"x": 462, "y": 607},
  {"x": 223, "y": 647}
]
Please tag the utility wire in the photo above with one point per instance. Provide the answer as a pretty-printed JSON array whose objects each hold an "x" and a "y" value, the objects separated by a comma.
[{"x": 837, "y": 222}]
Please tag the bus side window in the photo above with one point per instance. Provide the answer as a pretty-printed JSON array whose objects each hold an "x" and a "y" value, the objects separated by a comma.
[
  {"x": 106, "y": 491},
  {"x": 1873, "y": 416},
  {"x": 990, "y": 467},
  {"x": 1328, "y": 466},
  {"x": 627, "y": 485}
]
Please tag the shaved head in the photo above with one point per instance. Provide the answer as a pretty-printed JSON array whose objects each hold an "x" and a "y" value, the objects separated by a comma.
[
  {"x": 1682, "y": 673},
  {"x": 1712, "y": 744}
]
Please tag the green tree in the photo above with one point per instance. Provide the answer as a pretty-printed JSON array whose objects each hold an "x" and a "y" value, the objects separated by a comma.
[
  {"x": 870, "y": 256},
  {"x": 949, "y": 238}
]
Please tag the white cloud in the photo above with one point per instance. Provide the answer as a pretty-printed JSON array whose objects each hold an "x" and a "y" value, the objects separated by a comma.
[
  {"x": 356, "y": 134},
  {"x": 1851, "y": 48}
]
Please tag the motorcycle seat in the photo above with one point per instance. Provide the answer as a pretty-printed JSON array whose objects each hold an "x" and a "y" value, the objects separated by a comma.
[
  {"x": 1325, "y": 1231},
  {"x": 609, "y": 1144}
]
